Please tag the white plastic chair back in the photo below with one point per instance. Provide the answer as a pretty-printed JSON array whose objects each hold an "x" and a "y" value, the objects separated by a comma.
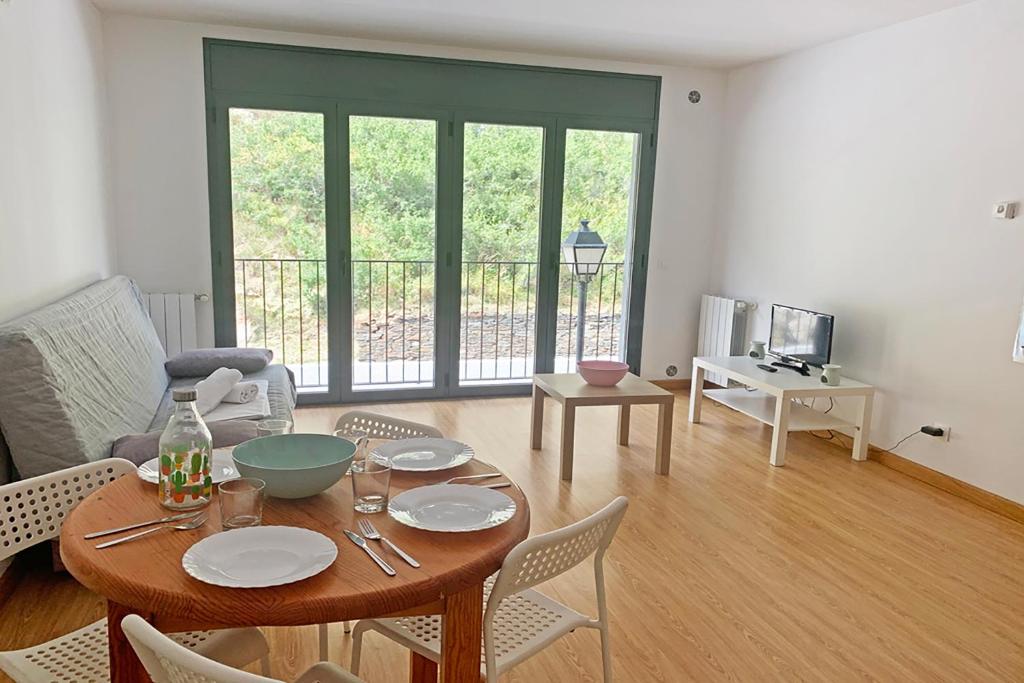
[
  {"x": 385, "y": 427},
  {"x": 168, "y": 662},
  {"x": 33, "y": 510},
  {"x": 544, "y": 557}
]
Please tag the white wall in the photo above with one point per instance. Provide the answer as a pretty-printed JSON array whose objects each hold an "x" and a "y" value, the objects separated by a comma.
[
  {"x": 155, "y": 73},
  {"x": 55, "y": 232},
  {"x": 858, "y": 178}
]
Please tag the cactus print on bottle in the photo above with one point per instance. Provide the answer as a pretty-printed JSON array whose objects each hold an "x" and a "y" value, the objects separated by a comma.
[{"x": 185, "y": 479}]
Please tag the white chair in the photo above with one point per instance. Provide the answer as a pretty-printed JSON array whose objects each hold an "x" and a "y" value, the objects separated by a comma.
[
  {"x": 518, "y": 621},
  {"x": 377, "y": 426},
  {"x": 384, "y": 426},
  {"x": 166, "y": 661},
  {"x": 32, "y": 511}
]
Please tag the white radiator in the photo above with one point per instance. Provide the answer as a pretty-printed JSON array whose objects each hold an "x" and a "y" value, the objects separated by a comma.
[
  {"x": 174, "y": 317},
  {"x": 723, "y": 330}
]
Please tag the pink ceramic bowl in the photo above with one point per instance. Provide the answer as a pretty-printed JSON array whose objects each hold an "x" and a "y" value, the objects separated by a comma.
[{"x": 602, "y": 373}]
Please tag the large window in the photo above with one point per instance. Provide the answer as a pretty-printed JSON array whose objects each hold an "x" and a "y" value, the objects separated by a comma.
[{"x": 390, "y": 226}]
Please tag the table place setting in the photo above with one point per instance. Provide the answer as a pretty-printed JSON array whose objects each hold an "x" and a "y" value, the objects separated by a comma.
[
  {"x": 283, "y": 539},
  {"x": 284, "y": 465}
]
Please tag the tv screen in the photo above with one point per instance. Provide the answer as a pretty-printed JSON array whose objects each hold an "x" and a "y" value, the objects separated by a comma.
[{"x": 800, "y": 334}]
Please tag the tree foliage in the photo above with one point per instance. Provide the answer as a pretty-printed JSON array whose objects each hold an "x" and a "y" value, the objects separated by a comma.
[{"x": 278, "y": 187}]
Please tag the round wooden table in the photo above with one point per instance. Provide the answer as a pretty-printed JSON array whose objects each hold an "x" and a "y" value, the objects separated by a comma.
[{"x": 146, "y": 577}]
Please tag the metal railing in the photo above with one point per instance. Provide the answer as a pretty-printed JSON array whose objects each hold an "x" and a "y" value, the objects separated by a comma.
[{"x": 281, "y": 304}]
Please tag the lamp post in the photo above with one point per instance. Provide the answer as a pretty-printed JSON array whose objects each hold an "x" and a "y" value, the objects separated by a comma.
[{"x": 583, "y": 250}]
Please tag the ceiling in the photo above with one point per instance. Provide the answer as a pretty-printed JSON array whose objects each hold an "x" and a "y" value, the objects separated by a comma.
[{"x": 720, "y": 33}]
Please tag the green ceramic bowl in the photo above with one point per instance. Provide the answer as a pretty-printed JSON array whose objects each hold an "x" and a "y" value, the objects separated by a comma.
[{"x": 295, "y": 465}]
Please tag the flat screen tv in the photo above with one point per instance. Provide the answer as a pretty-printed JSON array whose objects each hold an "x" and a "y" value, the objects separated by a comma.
[{"x": 801, "y": 335}]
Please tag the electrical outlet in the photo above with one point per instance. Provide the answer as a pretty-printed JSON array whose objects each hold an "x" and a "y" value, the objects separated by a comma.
[
  {"x": 945, "y": 430},
  {"x": 1005, "y": 210}
]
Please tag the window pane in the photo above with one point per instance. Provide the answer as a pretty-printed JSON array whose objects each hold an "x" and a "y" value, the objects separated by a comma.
[
  {"x": 278, "y": 222},
  {"x": 500, "y": 237},
  {"x": 600, "y": 186},
  {"x": 394, "y": 194}
]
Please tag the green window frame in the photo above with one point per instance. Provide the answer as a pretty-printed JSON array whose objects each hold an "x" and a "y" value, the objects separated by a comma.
[{"x": 338, "y": 83}]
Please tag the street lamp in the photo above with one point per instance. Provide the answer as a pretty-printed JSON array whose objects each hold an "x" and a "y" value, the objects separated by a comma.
[{"x": 583, "y": 250}]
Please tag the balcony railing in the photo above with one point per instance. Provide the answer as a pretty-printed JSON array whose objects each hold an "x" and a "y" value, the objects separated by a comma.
[{"x": 281, "y": 304}]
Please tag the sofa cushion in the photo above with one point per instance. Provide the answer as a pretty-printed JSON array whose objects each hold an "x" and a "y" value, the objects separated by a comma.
[
  {"x": 202, "y": 362},
  {"x": 77, "y": 374},
  {"x": 139, "y": 448}
]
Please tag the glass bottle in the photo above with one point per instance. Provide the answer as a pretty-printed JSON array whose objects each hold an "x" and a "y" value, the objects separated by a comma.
[{"x": 185, "y": 451}]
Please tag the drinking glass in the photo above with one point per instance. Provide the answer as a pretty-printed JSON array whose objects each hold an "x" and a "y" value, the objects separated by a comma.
[
  {"x": 272, "y": 427},
  {"x": 370, "y": 483},
  {"x": 241, "y": 503},
  {"x": 359, "y": 438}
]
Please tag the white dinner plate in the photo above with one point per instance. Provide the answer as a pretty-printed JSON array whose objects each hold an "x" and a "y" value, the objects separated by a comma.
[
  {"x": 452, "y": 508},
  {"x": 423, "y": 455},
  {"x": 259, "y": 556},
  {"x": 221, "y": 469}
]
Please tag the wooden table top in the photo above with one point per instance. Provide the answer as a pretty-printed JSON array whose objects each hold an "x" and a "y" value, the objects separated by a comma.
[
  {"x": 147, "y": 574},
  {"x": 570, "y": 385}
]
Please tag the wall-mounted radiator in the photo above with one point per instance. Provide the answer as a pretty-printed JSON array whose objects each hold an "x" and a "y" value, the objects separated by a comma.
[
  {"x": 174, "y": 317},
  {"x": 723, "y": 330}
]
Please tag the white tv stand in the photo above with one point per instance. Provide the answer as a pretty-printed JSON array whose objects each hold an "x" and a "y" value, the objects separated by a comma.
[{"x": 773, "y": 400}]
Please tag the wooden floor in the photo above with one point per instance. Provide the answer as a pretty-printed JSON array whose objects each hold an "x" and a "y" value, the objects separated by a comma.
[{"x": 728, "y": 569}]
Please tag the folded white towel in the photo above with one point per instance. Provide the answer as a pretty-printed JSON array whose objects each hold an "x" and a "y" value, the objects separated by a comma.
[
  {"x": 252, "y": 410},
  {"x": 212, "y": 390},
  {"x": 243, "y": 392}
]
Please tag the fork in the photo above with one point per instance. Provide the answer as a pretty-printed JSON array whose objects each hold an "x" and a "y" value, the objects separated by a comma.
[
  {"x": 370, "y": 531},
  {"x": 187, "y": 526}
]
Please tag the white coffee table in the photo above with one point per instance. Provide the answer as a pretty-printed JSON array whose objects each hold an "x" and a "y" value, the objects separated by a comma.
[
  {"x": 571, "y": 391},
  {"x": 773, "y": 400}
]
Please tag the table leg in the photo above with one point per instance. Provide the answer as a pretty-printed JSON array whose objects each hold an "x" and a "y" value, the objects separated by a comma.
[
  {"x": 663, "y": 452},
  {"x": 863, "y": 431},
  {"x": 696, "y": 393},
  {"x": 537, "y": 418},
  {"x": 421, "y": 669},
  {"x": 568, "y": 437},
  {"x": 125, "y": 665},
  {"x": 461, "y": 635},
  {"x": 780, "y": 432},
  {"x": 624, "y": 424}
]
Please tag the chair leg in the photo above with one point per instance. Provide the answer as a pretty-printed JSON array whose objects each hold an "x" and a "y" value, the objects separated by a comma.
[
  {"x": 357, "y": 650},
  {"x": 347, "y": 626},
  {"x": 606, "y": 654},
  {"x": 323, "y": 642}
]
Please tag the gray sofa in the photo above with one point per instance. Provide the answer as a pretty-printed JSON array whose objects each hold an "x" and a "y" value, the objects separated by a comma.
[{"x": 82, "y": 372}]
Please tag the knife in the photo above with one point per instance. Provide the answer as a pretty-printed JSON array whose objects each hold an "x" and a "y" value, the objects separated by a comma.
[
  {"x": 172, "y": 518},
  {"x": 358, "y": 540}
]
